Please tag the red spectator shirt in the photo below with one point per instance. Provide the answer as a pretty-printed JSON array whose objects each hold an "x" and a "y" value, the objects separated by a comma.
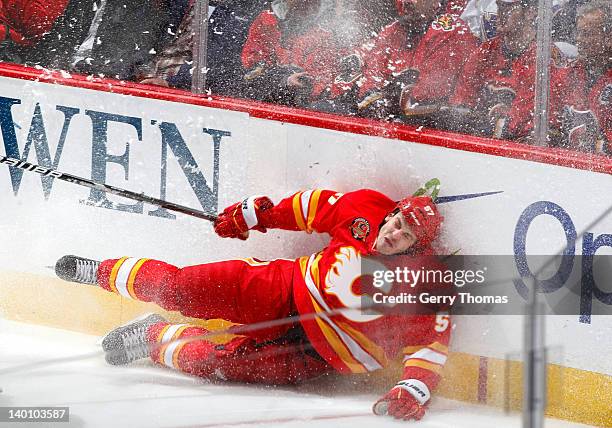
[
  {"x": 26, "y": 21},
  {"x": 600, "y": 103},
  {"x": 504, "y": 87},
  {"x": 353, "y": 342},
  {"x": 312, "y": 51},
  {"x": 437, "y": 59}
]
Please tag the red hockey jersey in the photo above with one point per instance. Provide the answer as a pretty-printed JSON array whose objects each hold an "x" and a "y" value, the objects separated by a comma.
[
  {"x": 600, "y": 103},
  {"x": 351, "y": 341},
  {"x": 312, "y": 51},
  {"x": 503, "y": 87},
  {"x": 435, "y": 60},
  {"x": 25, "y": 21}
]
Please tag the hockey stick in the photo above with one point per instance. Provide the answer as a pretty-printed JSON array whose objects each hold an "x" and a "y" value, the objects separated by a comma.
[
  {"x": 141, "y": 197},
  {"x": 432, "y": 188}
]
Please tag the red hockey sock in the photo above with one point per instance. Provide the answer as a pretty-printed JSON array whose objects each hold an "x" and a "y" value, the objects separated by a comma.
[
  {"x": 140, "y": 279},
  {"x": 188, "y": 349},
  {"x": 185, "y": 347}
]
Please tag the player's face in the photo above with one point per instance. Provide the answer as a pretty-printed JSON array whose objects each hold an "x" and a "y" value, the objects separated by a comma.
[
  {"x": 394, "y": 236},
  {"x": 592, "y": 38}
]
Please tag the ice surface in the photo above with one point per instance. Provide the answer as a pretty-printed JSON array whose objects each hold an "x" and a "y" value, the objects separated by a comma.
[{"x": 143, "y": 395}]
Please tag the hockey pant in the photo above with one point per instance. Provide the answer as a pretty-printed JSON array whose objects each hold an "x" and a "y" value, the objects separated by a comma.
[{"x": 245, "y": 291}]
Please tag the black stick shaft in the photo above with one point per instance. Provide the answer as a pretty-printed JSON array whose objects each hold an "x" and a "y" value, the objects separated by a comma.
[{"x": 141, "y": 197}]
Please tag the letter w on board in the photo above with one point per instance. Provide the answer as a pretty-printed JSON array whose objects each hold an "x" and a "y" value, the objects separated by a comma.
[{"x": 170, "y": 137}]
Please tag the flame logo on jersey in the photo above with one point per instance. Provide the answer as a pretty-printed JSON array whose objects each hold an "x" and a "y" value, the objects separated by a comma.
[
  {"x": 360, "y": 228},
  {"x": 343, "y": 271},
  {"x": 445, "y": 22},
  {"x": 341, "y": 276}
]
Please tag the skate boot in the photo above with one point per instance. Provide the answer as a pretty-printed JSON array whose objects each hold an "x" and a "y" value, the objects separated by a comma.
[
  {"x": 129, "y": 342},
  {"x": 77, "y": 269}
]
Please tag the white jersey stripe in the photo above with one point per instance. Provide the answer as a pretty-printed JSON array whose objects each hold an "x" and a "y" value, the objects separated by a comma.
[
  {"x": 169, "y": 353},
  {"x": 305, "y": 200},
  {"x": 356, "y": 350},
  {"x": 167, "y": 337},
  {"x": 312, "y": 287},
  {"x": 123, "y": 276},
  {"x": 429, "y": 355}
]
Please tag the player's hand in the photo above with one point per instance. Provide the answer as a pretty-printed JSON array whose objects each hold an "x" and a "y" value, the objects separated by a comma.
[
  {"x": 407, "y": 400},
  {"x": 236, "y": 220}
]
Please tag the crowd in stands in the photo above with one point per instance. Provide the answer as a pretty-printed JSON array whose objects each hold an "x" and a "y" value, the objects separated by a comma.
[{"x": 461, "y": 65}]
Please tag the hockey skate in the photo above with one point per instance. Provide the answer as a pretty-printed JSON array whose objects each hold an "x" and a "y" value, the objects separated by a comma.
[
  {"x": 129, "y": 342},
  {"x": 77, "y": 269}
]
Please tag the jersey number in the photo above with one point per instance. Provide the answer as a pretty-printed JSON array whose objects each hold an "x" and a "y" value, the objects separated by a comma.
[{"x": 442, "y": 322}]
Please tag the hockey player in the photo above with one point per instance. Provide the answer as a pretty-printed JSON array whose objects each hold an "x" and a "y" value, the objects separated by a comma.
[
  {"x": 315, "y": 288},
  {"x": 495, "y": 95},
  {"x": 410, "y": 68}
]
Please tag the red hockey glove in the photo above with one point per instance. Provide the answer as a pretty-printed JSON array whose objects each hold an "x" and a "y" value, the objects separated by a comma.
[
  {"x": 236, "y": 220},
  {"x": 406, "y": 400}
]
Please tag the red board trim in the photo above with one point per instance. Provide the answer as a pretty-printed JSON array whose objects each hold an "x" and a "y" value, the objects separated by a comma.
[{"x": 508, "y": 149}]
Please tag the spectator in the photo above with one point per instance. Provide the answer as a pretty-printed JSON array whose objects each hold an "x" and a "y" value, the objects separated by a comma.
[
  {"x": 228, "y": 26},
  {"x": 228, "y": 29},
  {"x": 409, "y": 69},
  {"x": 24, "y": 22},
  {"x": 288, "y": 57},
  {"x": 173, "y": 65},
  {"x": 495, "y": 95},
  {"x": 481, "y": 16},
  {"x": 106, "y": 37},
  {"x": 591, "y": 130}
]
